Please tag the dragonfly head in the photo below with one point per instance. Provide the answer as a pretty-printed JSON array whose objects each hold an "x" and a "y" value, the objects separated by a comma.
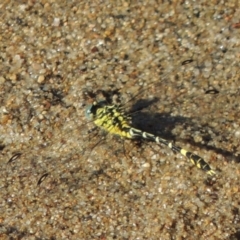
[{"x": 91, "y": 110}]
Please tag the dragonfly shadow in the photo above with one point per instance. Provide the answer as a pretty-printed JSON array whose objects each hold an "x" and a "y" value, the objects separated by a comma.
[{"x": 162, "y": 125}]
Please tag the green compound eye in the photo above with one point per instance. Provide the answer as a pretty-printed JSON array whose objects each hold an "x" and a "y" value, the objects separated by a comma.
[
  {"x": 91, "y": 109},
  {"x": 114, "y": 120},
  {"x": 88, "y": 112}
]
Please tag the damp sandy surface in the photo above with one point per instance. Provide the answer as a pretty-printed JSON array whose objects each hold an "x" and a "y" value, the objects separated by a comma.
[{"x": 63, "y": 179}]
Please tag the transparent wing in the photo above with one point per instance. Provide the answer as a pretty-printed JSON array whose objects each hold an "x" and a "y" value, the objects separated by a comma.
[
  {"x": 174, "y": 106},
  {"x": 188, "y": 108}
]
